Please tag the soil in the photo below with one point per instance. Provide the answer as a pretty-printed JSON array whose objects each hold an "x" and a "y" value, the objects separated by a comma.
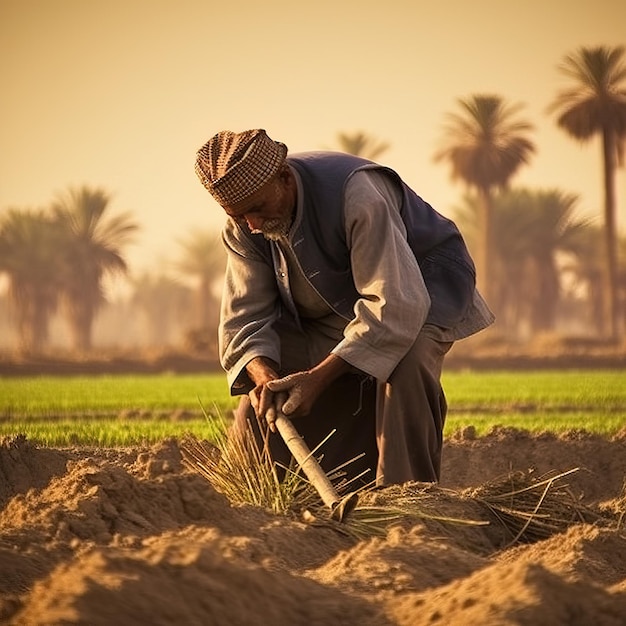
[{"x": 133, "y": 536}]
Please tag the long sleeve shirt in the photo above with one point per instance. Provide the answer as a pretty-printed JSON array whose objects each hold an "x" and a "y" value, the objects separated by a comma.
[{"x": 393, "y": 300}]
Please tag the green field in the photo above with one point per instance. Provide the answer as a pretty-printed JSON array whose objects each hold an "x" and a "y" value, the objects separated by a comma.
[
  {"x": 59, "y": 396},
  {"x": 124, "y": 410}
]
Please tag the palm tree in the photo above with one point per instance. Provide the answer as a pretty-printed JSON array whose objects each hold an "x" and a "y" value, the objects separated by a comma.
[
  {"x": 29, "y": 254},
  {"x": 361, "y": 144},
  {"x": 553, "y": 228},
  {"x": 92, "y": 249},
  {"x": 164, "y": 303},
  {"x": 204, "y": 259},
  {"x": 585, "y": 271},
  {"x": 595, "y": 104},
  {"x": 485, "y": 145},
  {"x": 531, "y": 229}
]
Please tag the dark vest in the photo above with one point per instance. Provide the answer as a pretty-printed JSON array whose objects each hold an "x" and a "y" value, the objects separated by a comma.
[{"x": 320, "y": 245}]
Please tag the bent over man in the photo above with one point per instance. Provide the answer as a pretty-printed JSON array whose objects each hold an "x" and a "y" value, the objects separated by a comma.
[{"x": 344, "y": 291}]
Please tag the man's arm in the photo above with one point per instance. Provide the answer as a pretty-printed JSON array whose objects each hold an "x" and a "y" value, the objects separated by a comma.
[
  {"x": 394, "y": 301},
  {"x": 249, "y": 309}
]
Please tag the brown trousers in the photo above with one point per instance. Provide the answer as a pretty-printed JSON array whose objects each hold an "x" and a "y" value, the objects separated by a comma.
[{"x": 388, "y": 432}]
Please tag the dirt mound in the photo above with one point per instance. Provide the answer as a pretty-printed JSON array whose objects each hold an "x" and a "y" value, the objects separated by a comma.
[{"x": 92, "y": 536}]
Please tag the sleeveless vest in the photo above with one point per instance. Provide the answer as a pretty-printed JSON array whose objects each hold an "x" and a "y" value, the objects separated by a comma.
[{"x": 320, "y": 245}]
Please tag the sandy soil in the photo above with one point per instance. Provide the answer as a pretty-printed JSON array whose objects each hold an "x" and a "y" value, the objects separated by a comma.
[{"x": 133, "y": 537}]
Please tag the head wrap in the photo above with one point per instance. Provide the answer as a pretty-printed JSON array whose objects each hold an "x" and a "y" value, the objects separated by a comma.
[{"x": 232, "y": 166}]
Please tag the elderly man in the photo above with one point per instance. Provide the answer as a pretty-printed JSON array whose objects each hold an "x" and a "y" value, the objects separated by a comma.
[{"x": 344, "y": 290}]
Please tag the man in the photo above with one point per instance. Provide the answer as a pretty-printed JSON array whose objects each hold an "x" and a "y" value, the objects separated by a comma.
[{"x": 343, "y": 292}]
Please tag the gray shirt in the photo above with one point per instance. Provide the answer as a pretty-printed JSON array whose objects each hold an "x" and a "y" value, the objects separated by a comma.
[{"x": 389, "y": 314}]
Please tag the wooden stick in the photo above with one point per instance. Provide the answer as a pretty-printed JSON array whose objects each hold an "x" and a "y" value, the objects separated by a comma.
[
  {"x": 306, "y": 460},
  {"x": 339, "y": 507}
]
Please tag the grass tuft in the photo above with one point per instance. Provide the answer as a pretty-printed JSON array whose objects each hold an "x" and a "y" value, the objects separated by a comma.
[
  {"x": 528, "y": 508},
  {"x": 531, "y": 509},
  {"x": 246, "y": 474}
]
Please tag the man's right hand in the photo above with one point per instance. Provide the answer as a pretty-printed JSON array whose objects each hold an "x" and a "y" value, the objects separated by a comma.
[
  {"x": 261, "y": 399},
  {"x": 261, "y": 371},
  {"x": 272, "y": 412}
]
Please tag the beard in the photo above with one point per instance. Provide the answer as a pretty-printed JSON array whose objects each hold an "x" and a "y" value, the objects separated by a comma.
[{"x": 275, "y": 229}]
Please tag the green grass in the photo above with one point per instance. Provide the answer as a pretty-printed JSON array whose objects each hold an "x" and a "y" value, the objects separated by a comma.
[
  {"x": 605, "y": 424},
  {"x": 538, "y": 401},
  {"x": 125, "y": 410},
  {"x": 57, "y": 396},
  {"x": 575, "y": 389},
  {"x": 106, "y": 432}
]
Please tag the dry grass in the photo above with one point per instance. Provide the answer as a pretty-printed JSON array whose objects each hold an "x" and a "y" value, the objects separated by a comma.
[
  {"x": 531, "y": 509},
  {"x": 245, "y": 474},
  {"x": 526, "y": 507}
]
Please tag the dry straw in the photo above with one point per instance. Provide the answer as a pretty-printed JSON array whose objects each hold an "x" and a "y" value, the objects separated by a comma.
[
  {"x": 526, "y": 508},
  {"x": 244, "y": 473},
  {"x": 531, "y": 509}
]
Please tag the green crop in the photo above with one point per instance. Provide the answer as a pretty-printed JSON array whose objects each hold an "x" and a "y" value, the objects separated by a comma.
[
  {"x": 126, "y": 410},
  {"x": 564, "y": 389},
  {"x": 83, "y": 396}
]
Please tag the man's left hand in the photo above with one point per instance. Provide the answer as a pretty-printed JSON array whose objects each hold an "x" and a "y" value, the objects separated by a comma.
[{"x": 301, "y": 390}]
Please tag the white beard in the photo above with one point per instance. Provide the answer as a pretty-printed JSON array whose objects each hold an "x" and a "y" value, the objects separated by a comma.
[{"x": 273, "y": 230}]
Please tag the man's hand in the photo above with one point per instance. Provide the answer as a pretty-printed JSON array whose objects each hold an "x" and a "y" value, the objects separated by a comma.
[
  {"x": 272, "y": 413},
  {"x": 294, "y": 394},
  {"x": 303, "y": 388},
  {"x": 299, "y": 391},
  {"x": 261, "y": 371},
  {"x": 261, "y": 399}
]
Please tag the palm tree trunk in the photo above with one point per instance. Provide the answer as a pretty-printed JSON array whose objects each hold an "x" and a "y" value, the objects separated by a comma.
[
  {"x": 546, "y": 294},
  {"x": 32, "y": 325},
  {"x": 611, "y": 304},
  {"x": 485, "y": 273},
  {"x": 81, "y": 321}
]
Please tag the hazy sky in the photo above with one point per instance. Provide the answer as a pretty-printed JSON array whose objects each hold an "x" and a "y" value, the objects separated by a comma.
[{"x": 120, "y": 94}]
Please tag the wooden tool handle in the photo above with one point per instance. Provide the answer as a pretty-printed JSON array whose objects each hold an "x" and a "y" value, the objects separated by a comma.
[{"x": 306, "y": 460}]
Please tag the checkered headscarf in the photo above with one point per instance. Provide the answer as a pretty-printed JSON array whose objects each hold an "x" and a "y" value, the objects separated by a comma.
[{"x": 232, "y": 166}]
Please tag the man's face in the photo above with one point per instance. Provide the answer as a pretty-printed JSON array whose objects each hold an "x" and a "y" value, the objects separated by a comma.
[{"x": 268, "y": 211}]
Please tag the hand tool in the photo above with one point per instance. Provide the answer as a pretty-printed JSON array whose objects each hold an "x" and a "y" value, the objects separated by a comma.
[{"x": 340, "y": 506}]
